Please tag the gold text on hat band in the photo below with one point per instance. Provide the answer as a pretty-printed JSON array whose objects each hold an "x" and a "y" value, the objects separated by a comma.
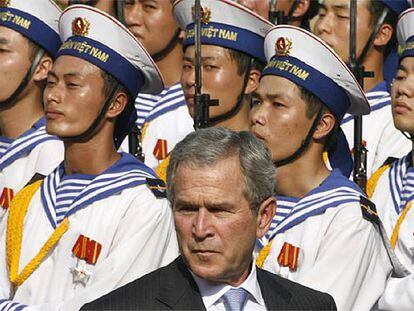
[
  {"x": 85, "y": 48},
  {"x": 15, "y": 19},
  {"x": 285, "y": 65},
  {"x": 212, "y": 32}
]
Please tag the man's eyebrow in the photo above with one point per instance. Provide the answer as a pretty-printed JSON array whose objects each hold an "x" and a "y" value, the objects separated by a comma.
[
  {"x": 4, "y": 40},
  {"x": 204, "y": 58}
]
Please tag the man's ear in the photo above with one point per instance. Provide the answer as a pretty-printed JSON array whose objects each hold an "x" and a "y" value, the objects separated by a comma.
[
  {"x": 43, "y": 68},
  {"x": 118, "y": 105},
  {"x": 383, "y": 36},
  {"x": 252, "y": 81},
  {"x": 325, "y": 126},
  {"x": 301, "y": 8},
  {"x": 265, "y": 214}
]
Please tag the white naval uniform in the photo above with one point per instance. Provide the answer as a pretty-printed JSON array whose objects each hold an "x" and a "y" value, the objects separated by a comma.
[
  {"x": 169, "y": 120},
  {"x": 118, "y": 210},
  {"x": 394, "y": 190},
  {"x": 32, "y": 152},
  {"x": 340, "y": 252},
  {"x": 382, "y": 139}
]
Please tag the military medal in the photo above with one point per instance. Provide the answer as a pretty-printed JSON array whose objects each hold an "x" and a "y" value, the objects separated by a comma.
[
  {"x": 288, "y": 256},
  {"x": 87, "y": 251},
  {"x": 6, "y": 197},
  {"x": 161, "y": 149}
]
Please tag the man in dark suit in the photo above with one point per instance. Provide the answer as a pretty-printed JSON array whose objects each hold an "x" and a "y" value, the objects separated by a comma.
[{"x": 221, "y": 188}]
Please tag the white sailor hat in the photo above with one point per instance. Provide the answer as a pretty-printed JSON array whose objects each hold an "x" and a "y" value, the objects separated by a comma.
[
  {"x": 99, "y": 38},
  {"x": 102, "y": 40},
  {"x": 224, "y": 23},
  {"x": 35, "y": 19},
  {"x": 405, "y": 33},
  {"x": 307, "y": 61}
]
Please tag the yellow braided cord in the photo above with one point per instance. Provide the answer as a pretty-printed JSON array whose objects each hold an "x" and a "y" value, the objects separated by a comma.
[
  {"x": 15, "y": 235},
  {"x": 373, "y": 180},
  {"x": 18, "y": 210},
  {"x": 162, "y": 169},
  {"x": 144, "y": 130},
  {"x": 264, "y": 252},
  {"x": 36, "y": 261},
  {"x": 325, "y": 158},
  {"x": 394, "y": 236}
]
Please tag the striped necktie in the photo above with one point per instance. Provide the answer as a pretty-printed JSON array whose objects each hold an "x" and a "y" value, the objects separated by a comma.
[{"x": 234, "y": 299}]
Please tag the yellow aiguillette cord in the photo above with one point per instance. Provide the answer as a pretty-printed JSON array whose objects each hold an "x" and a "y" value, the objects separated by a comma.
[
  {"x": 14, "y": 235},
  {"x": 394, "y": 236},
  {"x": 373, "y": 180}
]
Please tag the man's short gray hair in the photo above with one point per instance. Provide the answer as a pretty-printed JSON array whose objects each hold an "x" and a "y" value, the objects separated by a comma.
[{"x": 207, "y": 147}]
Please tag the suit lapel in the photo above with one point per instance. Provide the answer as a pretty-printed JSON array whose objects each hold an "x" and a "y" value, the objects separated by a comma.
[
  {"x": 178, "y": 289},
  {"x": 275, "y": 295}
]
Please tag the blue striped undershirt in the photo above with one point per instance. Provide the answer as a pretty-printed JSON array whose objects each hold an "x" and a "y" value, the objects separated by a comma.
[{"x": 67, "y": 191}]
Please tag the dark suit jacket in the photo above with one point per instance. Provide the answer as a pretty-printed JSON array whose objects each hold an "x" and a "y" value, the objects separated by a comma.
[{"x": 173, "y": 287}]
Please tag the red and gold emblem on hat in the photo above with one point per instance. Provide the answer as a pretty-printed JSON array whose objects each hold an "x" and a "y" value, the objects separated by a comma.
[
  {"x": 80, "y": 26},
  {"x": 5, "y": 3},
  {"x": 283, "y": 46},
  {"x": 205, "y": 14}
]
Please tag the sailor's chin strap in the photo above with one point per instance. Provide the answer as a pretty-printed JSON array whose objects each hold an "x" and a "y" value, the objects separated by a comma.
[
  {"x": 372, "y": 36},
  {"x": 170, "y": 46},
  {"x": 305, "y": 143},
  {"x": 89, "y": 2},
  {"x": 23, "y": 84},
  {"x": 88, "y": 133},
  {"x": 236, "y": 108},
  {"x": 408, "y": 135}
]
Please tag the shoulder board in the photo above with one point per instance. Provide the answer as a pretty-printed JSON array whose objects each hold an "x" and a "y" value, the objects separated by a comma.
[
  {"x": 157, "y": 187},
  {"x": 369, "y": 211},
  {"x": 35, "y": 178}
]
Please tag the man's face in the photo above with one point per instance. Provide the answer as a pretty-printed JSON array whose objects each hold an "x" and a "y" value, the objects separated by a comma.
[
  {"x": 260, "y": 7},
  {"x": 402, "y": 95},
  {"x": 215, "y": 225},
  {"x": 73, "y": 96},
  {"x": 151, "y": 22},
  {"x": 278, "y": 116},
  {"x": 15, "y": 54},
  {"x": 220, "y": 78},
  {"x": 333, "y": 25}
]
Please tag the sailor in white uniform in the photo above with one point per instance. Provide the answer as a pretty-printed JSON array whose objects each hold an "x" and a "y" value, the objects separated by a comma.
[
  {"x": 324, "y": 235},
  {"x": 99, "y": 220},
  {"x": 167, "y": 124},
  {"x": 392, "y": 186},
  {"x": 231, "y": 38},
  {"x": 379, "y": 135},
  {"x": 29, "y": 34},
  {"x": 159, "y": 33}
]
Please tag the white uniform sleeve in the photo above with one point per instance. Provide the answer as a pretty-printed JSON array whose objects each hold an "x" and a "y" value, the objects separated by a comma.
[
  {"x": 352, "y": 264},
  {"x": 349, "y": 262},
  {"x": 392, "y": 144},
  {"x": 398, "y": 295}
]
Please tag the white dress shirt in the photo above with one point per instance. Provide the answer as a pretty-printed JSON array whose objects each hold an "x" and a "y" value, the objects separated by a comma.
[{"x": 212, "y": 293}]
